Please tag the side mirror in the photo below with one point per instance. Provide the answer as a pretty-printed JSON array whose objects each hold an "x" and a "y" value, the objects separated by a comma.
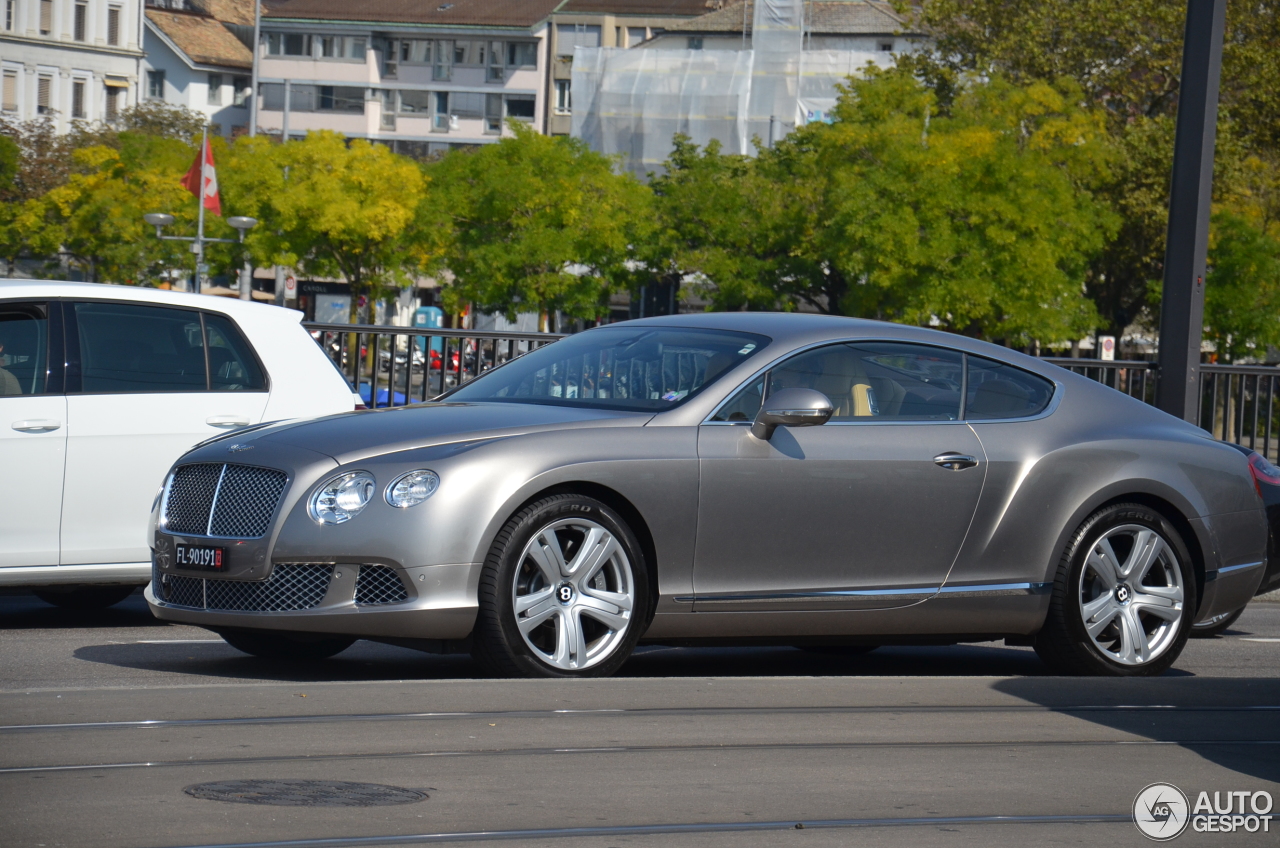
[{"x": 791, "y": 408}]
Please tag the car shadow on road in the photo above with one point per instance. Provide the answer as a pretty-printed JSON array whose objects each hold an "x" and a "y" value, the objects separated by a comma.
[{"x": 24, "y": 611}]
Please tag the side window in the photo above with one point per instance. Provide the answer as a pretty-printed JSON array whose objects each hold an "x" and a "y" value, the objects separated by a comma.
[
  {"x": 744, "y": 405},
  {"x": 132, "y": 348},
  {"x": 232, "y": 366},
  {"x": 882, "y": 381},
  {"x": 24, "y": 346},
  {"x": 997, "y": 390}
]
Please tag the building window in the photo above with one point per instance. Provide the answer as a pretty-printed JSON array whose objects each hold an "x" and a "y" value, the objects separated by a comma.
[
  {"x": 240, "y": 90},
  {"x": 44, "y": 94},
  {"x": 10, "y": 15},
  {"x": 288, "y": 44},
  {"x": 113, "y": 25},
  {"x": 496, "y": 72},
  {"x": 443, "y": 67},
  {"x": 493, "y": 113},
  {"x": 342, "y": 47},
  {"x": 885, "y": 46},
  {"x": 46, "y": 17},
  {"x": 337, "y": 98},
  {"x": 112, "y": 110},
  {"x": 215, "y": 89},
  {"x": 155, "y": 85},
  {"x": 415, "y": 102},
  {"x": 564, "y": 103},
  {"x": 635, "y": 35},
  {"x": 77, "y": 99},
  {"x": 10, "y": 93},
  {"x": 695, "y": 43},
  {"x": 523, "y": 54},
  {"x": 520, "y": 108},
  {"x": 440, "y": 123},
  {"x": 569, "y": 36},
  {"x": 82, "y": 16}
]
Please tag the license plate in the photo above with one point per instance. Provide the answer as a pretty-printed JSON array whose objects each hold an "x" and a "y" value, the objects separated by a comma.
[{"x": 199, "y": 556}]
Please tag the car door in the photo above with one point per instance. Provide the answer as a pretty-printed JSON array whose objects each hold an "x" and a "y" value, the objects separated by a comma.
[
  {"x": 33, "y": 433},
  {"x": 146, "y": 383},
  {"x": 866, "y": 511}
]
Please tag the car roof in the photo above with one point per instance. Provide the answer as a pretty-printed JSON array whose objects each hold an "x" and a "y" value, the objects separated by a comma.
[{"x": 107, "y": 291}]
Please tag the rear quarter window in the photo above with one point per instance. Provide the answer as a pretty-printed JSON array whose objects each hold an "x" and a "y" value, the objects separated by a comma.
[{"x": 996, "y": 391}]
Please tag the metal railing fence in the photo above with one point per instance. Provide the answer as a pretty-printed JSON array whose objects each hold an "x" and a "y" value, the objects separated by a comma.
[
  {"x": 1237, "y": 402},
  {"x": 394, "y": 366}
]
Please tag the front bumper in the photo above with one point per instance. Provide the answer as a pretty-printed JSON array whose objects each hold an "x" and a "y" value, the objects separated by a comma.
[{"x": 441, "y": 604}]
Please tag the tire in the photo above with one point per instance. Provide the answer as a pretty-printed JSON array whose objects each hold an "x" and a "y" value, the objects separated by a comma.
[
  {"x": 1214, "y": 626},
  {"x": 270, "y": 645},
  {"x": 1127, "y": 572},
  {"x": 839, "y": 650},
  {"x": 85, "y": 597},
  {"x": 564, "y": 592}
]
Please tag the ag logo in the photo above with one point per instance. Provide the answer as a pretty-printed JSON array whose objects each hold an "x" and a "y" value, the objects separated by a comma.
[{"x": 1161, "y": 811}]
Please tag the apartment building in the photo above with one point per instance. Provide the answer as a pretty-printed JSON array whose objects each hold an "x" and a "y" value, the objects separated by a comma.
[
  {"x": 198, "y": 56},
  {"x": 69, "y": 59},
  {"x": 421, "y": 77},
  {"x": 605, "y": 23}
]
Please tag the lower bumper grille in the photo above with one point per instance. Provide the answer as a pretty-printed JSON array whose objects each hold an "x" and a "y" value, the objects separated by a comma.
[
  {"x": 380, "y": 584},
  {"x": 290, "y": 587}
]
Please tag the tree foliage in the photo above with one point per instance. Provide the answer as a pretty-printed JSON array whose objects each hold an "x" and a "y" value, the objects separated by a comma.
[{"x": 535, "y": 224}]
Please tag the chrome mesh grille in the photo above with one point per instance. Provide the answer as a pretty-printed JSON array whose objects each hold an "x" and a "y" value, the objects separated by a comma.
[
  {"x": 247, "y": 499},
  {"x": 191, "y": 491},
  {"x": 379, "y": 584},
  {"x": 290, "y": 587},
  {"x": 222, "y": 499}
]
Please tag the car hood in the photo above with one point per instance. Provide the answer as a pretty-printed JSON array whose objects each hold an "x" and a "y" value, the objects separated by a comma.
[{"x": 353, "y": 436}]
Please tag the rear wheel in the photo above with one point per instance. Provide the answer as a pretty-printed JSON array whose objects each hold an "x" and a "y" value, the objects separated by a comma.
[
  {"x": 1123, "y": 596},
  {"x": 84, "y": 597},
  {"x": 286, "y": 646},
  {"x": 563, "y": 593},
  {"x": 1214, "y": 626}
]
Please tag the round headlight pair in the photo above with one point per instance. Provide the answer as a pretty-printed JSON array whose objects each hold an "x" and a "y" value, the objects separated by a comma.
[{"x": 343, "y": 497}]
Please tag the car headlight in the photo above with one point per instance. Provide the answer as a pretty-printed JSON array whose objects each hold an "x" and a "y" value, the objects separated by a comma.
[
  {"x": 341, "y": 498},
  {"x": 413, "y": 488}
]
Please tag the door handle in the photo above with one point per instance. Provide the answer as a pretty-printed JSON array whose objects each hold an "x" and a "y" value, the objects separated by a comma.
[
  {"x": 36, "y": 425},
  {"x": 955, "y": 461},
  {"x": 227, "y": 421}
]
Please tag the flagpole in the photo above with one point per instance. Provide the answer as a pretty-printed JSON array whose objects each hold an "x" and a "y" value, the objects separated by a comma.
[{"x": 199, "y": 243}]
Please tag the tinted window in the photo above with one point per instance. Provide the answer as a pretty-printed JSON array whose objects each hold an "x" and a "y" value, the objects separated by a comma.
[
  {"x": 130, "y": 348},
  {"x": 626, "y": 368},
  {"x": 883, "y": 381},
  {"x": 24, "y": 345},
  {"x": 232, "y": 367},
  {"x": 744, "y": 405},
  {"x": 997, "y": 390}
]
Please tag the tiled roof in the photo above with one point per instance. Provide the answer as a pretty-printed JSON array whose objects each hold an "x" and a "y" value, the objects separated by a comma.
[
  {"x": 836, "y": 17},
  {"x": 502, "y": 13},
  {"x": 203, "y": 39},
  {"x": 657, "y": 8},
  {"x": 229, "y": 11}
]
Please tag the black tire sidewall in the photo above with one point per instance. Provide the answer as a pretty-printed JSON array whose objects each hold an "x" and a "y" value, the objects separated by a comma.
[
  {"x": 508, "y": 653},
  {"x": 1066, "y": 589}
]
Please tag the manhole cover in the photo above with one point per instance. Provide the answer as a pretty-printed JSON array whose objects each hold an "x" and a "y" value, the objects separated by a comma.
[{"x": 305, "y": 793}]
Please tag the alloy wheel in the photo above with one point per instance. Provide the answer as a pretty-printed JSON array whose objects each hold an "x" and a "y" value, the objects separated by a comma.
[
  {"x": 573, "y": 594},
  {"x": 1131, "y": 594}
]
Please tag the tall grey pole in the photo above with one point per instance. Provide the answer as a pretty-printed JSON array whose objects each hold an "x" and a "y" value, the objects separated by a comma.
[
  {"x": 253, "y": 82},
  {"x": 1182, "y": 304}
]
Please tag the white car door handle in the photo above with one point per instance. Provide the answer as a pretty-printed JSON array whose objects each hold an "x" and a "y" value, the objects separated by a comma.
[
  {"x": 36, "y": 425},
  {"x": 227, "y": 421}
]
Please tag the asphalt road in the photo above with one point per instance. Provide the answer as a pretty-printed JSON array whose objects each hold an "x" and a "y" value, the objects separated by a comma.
[{"x": 108, "y": 717}]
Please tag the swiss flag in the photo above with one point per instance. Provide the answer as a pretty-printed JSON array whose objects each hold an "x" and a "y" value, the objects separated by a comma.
[{"x": 197, "y": 174}]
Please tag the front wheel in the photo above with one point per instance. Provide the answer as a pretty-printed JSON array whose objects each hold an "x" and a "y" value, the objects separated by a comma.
[
  {"x": 1123, "y": 596},
  {"x": 1214, "y": 626},
  {"x": 286, "y": 646},
  {"x": 564, "y": 592}
]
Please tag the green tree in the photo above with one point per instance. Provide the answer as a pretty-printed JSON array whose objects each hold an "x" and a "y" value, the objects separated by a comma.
[
  {"x": 535, "y": 224},
  {"x": 976, "y": 221},
  {"x": 330, "y": 207}
]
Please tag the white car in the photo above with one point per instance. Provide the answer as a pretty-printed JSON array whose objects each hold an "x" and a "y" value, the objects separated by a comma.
[{"x": 101, "y": 389}]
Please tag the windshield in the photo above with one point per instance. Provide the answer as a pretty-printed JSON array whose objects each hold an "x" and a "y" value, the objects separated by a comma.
[{"x": 626, "y": 368}]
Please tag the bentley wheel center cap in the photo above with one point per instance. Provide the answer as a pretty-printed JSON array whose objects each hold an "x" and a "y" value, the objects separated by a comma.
[
  {"x": 1122, "y": 594},
  {"x": 564, "y": 593}
]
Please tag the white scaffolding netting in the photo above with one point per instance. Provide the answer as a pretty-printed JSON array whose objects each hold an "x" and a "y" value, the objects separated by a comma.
[{"x": 630, "y": 103}]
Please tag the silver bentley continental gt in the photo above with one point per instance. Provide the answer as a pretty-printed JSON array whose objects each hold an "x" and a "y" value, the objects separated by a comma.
[{"x": 734, "y": 478}]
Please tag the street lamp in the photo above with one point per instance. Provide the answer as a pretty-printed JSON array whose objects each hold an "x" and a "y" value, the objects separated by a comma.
[{"x": 160, "y": 220}]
